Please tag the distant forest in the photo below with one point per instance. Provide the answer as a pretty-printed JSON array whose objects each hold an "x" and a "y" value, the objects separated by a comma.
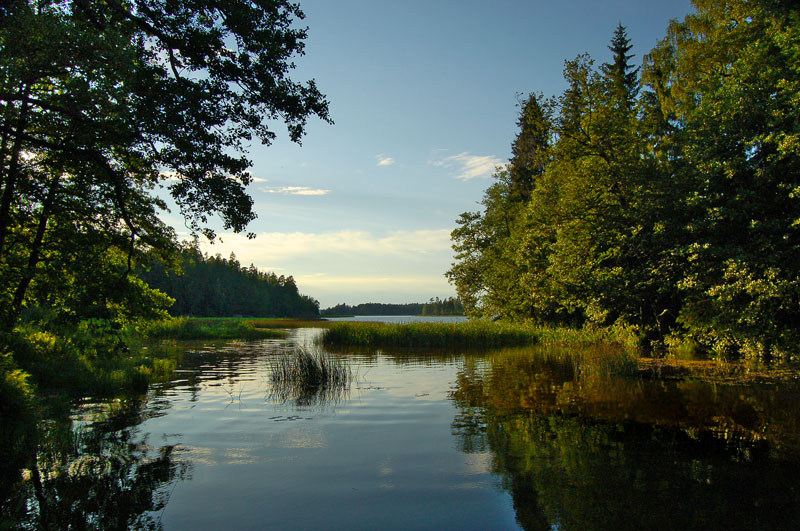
[
  {"x": 212, "y": 286},
  {"x": 448, "y": 306}
]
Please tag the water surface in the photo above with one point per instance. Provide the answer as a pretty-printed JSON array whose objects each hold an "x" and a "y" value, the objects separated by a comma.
[
  {"x": 402, "y": 318},
  {"x": 501, "y": 440}
]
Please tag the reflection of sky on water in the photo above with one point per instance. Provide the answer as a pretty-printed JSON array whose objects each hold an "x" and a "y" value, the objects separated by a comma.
[
  {"x": 383, "y": 456},
  {"x": 438, "y": 440}
]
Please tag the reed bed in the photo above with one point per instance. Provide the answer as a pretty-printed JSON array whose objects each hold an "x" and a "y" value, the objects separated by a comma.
[
  {"x": 280, "y": 322},
  {"x": 186, "y": 328},
  {"x": 309, "y": 376},
  {"x": 476, "y": 334}
]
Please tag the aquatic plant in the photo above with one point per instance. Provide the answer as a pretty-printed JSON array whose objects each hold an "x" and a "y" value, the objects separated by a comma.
[
  {"x": 309, "y": 376},
  {"x": 81, "y": 364},
  {"x": 186, "y": 328},
  {"x": 468, "y": 334}
]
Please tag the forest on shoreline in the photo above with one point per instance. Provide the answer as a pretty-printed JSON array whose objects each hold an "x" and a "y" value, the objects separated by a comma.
[
  {"x": 434, "y": 307},
  {"x": 213, "y": 286},
  {"x": 661, "y": 200}
]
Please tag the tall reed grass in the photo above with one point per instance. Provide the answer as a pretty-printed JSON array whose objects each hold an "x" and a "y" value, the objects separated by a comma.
[
  {"x": 309, "y": 376},
  {"x": 475, "y": 334}
]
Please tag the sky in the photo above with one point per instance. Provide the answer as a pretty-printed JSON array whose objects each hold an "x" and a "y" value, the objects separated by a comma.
[{"x": 424, "y": 98}]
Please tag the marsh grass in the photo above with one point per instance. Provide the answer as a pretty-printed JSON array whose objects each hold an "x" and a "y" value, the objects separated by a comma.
[
  {"x": 78, "y": 366},
  {"x": 595, "y": 360},
  {"x": 473, "y": 334},
  {"x": 188, "y": 328},
  {"x": 309, "y": 376}
]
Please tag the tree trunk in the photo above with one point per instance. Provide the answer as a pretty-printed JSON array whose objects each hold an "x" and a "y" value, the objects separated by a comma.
[
  {"x": 34, "y": 256},
  {"x": 12, "y": 177}
]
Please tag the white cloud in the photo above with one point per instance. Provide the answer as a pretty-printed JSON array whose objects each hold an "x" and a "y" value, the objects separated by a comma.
[
  {"x": 294, "y": 190},
  {"x": 273, "y": 247},
  {"x": 173, "y": 176},
  {"x": 384, "y": 161},
  {"x": 349, "y": 265},
  {"x": 468, "y": 166}
]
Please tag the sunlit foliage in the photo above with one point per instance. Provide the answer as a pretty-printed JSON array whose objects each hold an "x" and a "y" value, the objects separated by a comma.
[{"x": 667, "y": 204}]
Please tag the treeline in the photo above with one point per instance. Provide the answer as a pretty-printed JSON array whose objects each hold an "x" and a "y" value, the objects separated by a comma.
[
  {"x": 662, "y": 199},
  {"x": 435, "y": 306},
  {"x": 213, "y": 286},
  {"x": 448, "y": 306},
  {"x": 373, "y": 308}
]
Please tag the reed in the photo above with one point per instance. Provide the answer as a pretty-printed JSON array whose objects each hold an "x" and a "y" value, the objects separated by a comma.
[
  {"x": 187, "y": 328},
  {"x": 476, "y": 334},
  {"x": 309, "y": 376}
]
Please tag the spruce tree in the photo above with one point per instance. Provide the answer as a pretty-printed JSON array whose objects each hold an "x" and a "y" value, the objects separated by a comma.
[
  {"x": 622, "y": 77},
  {"x": 529, "y": 149}
]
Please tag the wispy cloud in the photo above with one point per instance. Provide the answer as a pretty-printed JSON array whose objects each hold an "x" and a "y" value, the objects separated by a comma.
[
  {"x": 294, "y": 190},
  {"x": 350, "y": 265},
  {"x": 272, "y": 247},
  {"x": 173, "y": 176},
  {"x": 384, "y": 161},
  {"x": 467, "y": 166}
]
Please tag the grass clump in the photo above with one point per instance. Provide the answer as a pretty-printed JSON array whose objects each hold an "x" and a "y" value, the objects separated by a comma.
[
  {"x": 467, "y": 334},
  {"x": 81, "y": 363},
  {"x": 309, "y": 376},
  {"x": 188, "y": 328}
]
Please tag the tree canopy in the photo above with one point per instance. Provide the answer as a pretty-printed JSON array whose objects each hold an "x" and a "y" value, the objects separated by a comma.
[
  {"x": 665, "y": 197},
  {"x": 107, "y": 107},
  {"x": 213, "y": 286}
]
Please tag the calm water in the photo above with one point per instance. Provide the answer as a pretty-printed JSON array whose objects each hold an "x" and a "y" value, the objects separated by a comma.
[
  {"x": 403, "y": 318},
  {"x": 502, "y": 440}
]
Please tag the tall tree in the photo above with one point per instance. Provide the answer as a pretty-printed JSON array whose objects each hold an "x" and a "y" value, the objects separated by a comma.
[
  {"x": 727, "y": 82},
  {"x": 104, "y": 103},
  {"x": 529, "y": 151},
  {"x": 488, "y": 268},
  {"x": 622, "y": 76}
]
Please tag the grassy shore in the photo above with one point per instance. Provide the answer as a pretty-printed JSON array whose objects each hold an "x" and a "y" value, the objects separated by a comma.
[
  {"x": 469, "y": 334},
  {"x": 606, "y": 351},
  {"x": 187, "y": 328},
  {"x": 473, "y": 334}
]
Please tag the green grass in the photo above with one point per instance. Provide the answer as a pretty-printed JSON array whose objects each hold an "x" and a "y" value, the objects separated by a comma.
[
  {"x": 83, "y": 366},
  {"x": 185, "y": 328},
  {"x": 469, "y": 334},
  {"x": 309, "y": 376},
  {"x": 472, "y": 334}
]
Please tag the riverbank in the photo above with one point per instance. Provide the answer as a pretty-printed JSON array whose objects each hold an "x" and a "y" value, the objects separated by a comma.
[{"x": 607, "y": 351}]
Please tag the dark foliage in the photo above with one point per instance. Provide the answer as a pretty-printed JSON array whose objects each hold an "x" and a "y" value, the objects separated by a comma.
[{"x": 212, "y": 286}]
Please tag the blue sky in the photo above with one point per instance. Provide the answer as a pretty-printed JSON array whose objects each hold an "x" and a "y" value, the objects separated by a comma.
[{"x": 423, "y": 95}]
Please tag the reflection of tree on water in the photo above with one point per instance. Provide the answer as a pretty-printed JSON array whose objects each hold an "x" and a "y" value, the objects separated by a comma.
[
  {"x": 570, "y": 460},
  {"x": 96, "y": 475}
]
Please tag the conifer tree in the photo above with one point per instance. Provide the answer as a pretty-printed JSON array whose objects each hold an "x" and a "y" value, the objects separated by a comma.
[
  {"x": 622, "y": 77},
  {"x": 529, "y": 149}
]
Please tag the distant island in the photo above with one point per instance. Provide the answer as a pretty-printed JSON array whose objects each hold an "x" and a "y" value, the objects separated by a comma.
[{"x": 435, "y": 306}]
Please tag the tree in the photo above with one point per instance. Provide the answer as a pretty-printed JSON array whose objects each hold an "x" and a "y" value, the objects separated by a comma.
[
  {"x": 106, "y": 103},
  {"x": 727, "y": 83},
  {"x": 622, "y": 76},
  {"x": 529, "y": 151},
  {"x": 487, "y": 268},
  {"x": 672, "y": 208}
]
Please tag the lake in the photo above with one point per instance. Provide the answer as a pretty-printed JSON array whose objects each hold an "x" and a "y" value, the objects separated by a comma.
[
  {"x": 506, "y": 439},
  {"x": 402, "y": 318}
]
